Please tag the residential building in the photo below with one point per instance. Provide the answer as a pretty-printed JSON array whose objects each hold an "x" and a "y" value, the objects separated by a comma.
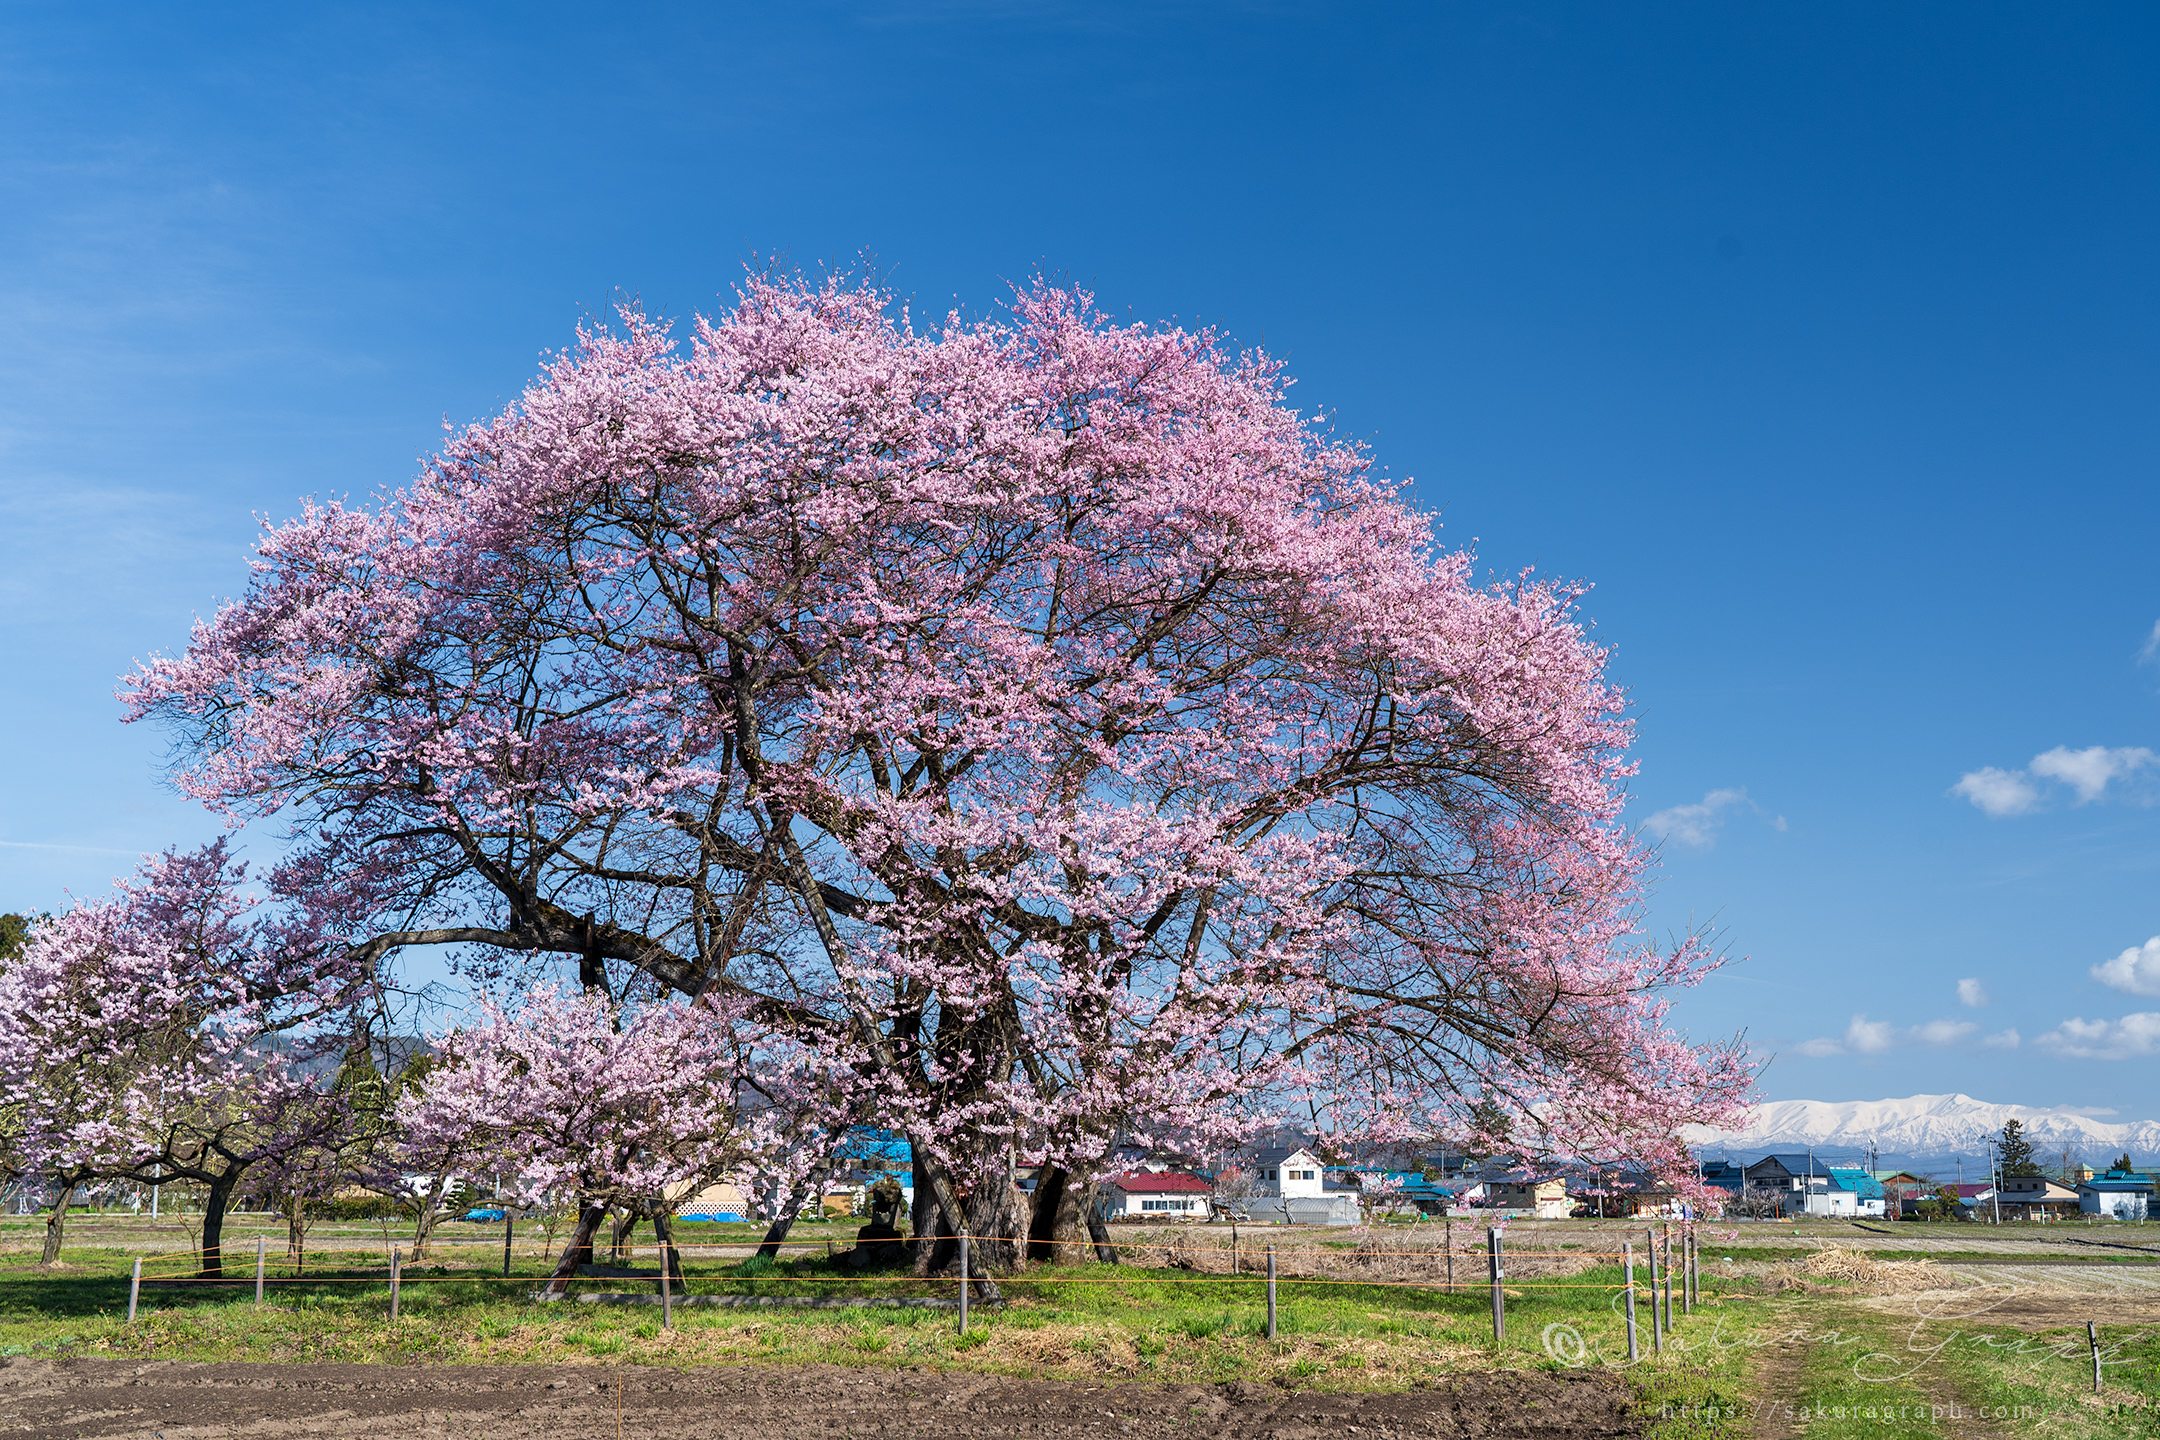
[
  {"x": 1155, "y": 1195},
  {"x": 1867, "y": 1190},
  {"x": 2035, "y": 1197},
  {"x": 1546, "y": 1199},
  {"x": 1288, "y": 1170},
  {"x": 2117, "y": 1195}
]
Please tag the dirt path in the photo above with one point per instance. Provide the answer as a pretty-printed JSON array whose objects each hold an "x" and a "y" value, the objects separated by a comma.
[{"x": 45, "y": 1400}]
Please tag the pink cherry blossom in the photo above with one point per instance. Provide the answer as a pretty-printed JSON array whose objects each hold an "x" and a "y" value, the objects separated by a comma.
[{"x": 1036, "y": 719}]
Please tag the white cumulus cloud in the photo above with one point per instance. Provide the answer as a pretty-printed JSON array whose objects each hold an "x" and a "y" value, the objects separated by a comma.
[
  {"x": 1695, "y": 824},
  {"x": 2122, "y": 1039},
  {"x": 2136, "y": 970},
  {"x": 1998, "y": 792},
  {"x": 2089, "y": 770},
  {"x": 1972, "y": 993},
  {"x": 2005, "y": 1040}
]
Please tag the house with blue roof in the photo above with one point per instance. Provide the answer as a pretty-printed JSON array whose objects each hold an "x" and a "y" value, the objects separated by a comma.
[
  {"x": 1865, "y": 1187},
  {"x": 2118, "y": 1195}
]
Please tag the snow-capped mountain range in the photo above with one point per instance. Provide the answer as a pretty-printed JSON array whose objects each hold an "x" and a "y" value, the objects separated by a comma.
[{"x": 1926, "y": 1125}]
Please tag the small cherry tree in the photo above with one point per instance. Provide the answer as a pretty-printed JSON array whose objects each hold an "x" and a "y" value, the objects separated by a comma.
[
  {"x": 178, "y": 1031},
  {"x": 569, "y": 1094}
]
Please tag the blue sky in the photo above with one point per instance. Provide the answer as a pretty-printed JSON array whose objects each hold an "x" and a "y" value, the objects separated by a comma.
[{"x": 1821, "y": 340}]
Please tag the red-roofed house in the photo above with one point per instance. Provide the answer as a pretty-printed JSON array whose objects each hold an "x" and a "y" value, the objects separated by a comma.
[{"x": 1156, "y": 1195}]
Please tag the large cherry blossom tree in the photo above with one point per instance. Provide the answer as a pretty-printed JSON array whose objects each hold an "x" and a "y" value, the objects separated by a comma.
[{"x": 1037, "y": 717}]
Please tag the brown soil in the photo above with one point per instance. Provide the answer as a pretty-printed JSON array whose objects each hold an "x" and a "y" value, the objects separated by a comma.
[{"x": 180, "y": 1401}]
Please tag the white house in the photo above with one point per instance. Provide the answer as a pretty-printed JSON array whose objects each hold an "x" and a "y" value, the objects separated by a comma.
[
  {"x": 1827, "y": 1197},
  {"x": 2116, "y": 1196},
  {"x": 1155, "y": 1195},
  {"x": 1291, "y": 1172}
]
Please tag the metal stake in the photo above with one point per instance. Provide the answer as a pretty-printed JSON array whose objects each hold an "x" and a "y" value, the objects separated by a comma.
[
  {"x": 1499, "y": 1299},
  {"x": 1668, "y": 1277},
  {"x": 1694, "y": 1268},
  {"x": 258, "y": 1269},
  {"x": 1657, "y": 1328},
  {"x": 509, "y": 1222},
  {"x": 1687, "y": 1271},
  {"x": 2092, "y": 1338},
  {"x": 963, "y": 1282},
  {"x": 134, "y": 1289},
  {"x": 1271, "y": 1292},
  {"x": 667, "y": 1289},
  {"x": 1627, "y": 1265},
  {"x": 397, "y": 1257}
]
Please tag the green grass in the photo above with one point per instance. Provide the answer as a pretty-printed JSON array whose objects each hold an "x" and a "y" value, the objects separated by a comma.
[
  {"x": 2044, "y": 1380},
  {"x": 1082, "y": 1321}
]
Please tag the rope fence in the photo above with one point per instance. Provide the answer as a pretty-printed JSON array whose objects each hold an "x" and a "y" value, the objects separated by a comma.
[{"x": 1674, "y": 1251}]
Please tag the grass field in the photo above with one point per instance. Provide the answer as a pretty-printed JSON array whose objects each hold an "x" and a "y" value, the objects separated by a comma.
[{"x": 1824, "y": 1360}]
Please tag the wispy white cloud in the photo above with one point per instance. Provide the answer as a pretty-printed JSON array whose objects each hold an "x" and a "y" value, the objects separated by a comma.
[
  {"x": 1698, "y": 824},
  {"x": 1998, "y": 792},
  {"x": 2152, "y": 644},
  {"x": 1972, "y": 993},
  {"x": 2089, "y": 772},
  {"x": 2123, "y": 1039},
  {"x": 2005, "y": 1040},
  {"x": 78, "y": 849},
  {"x": 1873, "y": 1037},
  {"x": 2136, "y": 970},
  {"x": 1862, "y": 1037}
]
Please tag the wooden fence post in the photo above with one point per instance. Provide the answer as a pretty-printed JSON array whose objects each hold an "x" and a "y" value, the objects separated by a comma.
[
  {"x": 667, "y": 1290},
  {"x": 258, "y": 1269},
  {"x": 963, "y": 1282},
  {"x": 509, "y": 1222},
  {"x": 1271, "y": 1292},
  {"x": 134, "y": 1289},
  {"x": 397, "y": 1256},
  {"x": 1499, "y": 1298},
  {"x": 1449, "y": 1245},
  {"x": 1627, "y": 1270},
  {"x": 2092, "y": 1338}
]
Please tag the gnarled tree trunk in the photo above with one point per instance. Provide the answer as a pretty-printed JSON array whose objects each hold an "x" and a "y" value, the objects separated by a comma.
[
  {"x": 296, "y": 1221},
  {"x": 56, "y": 1223},
  {"x": 579, "y": 1250},
  {"x": 213, "y": 1221},
  {"x": 1091, "y": 1211},
  {"x": 424, "y": 1227},
  {"x": 619, "y": 1237},
  {"x": 1054, "y": 1219},
  {"x": 810, "y": 1187}
]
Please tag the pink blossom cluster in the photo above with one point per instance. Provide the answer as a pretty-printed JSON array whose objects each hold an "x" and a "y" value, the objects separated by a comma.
[
  {"x": 180, "y": 1022},
  {"x": 565, "y": 1096}
]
